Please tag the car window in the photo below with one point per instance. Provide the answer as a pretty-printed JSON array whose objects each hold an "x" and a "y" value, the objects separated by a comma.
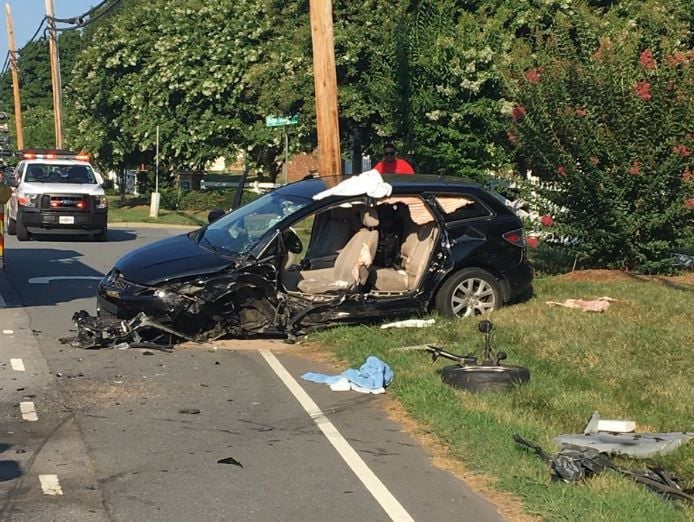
[
  {"x": 241, "y": 229},
  {"x": 51, "y": 173},
  {"x": 457, "y": 207}
]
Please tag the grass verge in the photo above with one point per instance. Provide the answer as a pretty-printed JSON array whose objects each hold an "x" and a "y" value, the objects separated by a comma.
[
  {"x": 634, "y": 362},
  {"x": 136, "y": 210}
]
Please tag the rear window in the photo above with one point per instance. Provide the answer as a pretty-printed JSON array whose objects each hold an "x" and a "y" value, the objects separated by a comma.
[{"x": 457, "y": 207}]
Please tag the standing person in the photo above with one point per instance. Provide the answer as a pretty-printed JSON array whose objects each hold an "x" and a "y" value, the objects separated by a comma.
[{"x": 391, "y": 164}]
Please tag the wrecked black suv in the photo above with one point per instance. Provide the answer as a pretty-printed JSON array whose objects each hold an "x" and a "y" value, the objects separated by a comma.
[{"x": 314, "y": 253}]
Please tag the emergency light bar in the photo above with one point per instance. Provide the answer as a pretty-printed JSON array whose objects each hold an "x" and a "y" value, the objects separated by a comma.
[{"x": 49, "y": 154}]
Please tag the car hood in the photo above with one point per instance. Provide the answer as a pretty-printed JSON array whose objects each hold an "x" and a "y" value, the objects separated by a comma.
[
  {"x": 171, "y": 258},
  {"x": 93, "y": 189}
]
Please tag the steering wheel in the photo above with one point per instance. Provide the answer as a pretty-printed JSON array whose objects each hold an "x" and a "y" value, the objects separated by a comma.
[{"x": 292, "y": 241}]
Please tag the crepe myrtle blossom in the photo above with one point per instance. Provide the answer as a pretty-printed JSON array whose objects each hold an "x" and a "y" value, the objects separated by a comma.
[
  {"x": 681, "y": 150},
  {"x": 635, "y": 168},
  {"x": 534, "y": 242},
  {"x": 676, "y": 58},
  {"x": 561, "y": 170},
  {"x": 690, "y": 203},
  {"x": 533, "y": 75},
  {"x": 646, "y": 59},
  {"x": 643, "y": 90},
  {"x": 546, "y": 220},
  {"x": 518, "y": 113}
]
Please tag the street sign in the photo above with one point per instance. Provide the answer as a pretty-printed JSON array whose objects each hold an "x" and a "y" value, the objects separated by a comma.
[{"x": 280, "y": 121}]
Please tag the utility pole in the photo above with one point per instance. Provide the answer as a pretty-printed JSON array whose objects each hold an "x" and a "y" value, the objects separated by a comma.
[
  {"x": 15, "y": 79},
  {"x": 55, "y": 76},
  {"x": 325, "y": 80}
]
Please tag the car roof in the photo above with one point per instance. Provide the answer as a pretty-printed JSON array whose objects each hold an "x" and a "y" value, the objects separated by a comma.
[{"x": 401, "y": 184}]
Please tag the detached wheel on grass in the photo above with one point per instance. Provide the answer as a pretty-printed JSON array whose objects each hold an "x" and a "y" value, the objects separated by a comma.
[
  {"x": 484, "y": 378},
  {"x": 469, "y": 292},
  {"x": 11, "y": 227}
]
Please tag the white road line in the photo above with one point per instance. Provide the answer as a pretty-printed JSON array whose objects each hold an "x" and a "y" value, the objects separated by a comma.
[
  {"x": 28, "y": 411},
  {"x": 373, "y": 484},
  {"x": 48, "y": 279},
  {"x": 8, "y": 332},
  {"x": 50, "y": 485},
  {"x": 17, "y": 365}
]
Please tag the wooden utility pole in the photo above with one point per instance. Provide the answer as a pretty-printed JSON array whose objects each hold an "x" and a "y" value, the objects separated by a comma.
[
  {"x": 15, "y": 79},
  {"x": 325, "y": 80},
  {"x": 55, "y": 76}
]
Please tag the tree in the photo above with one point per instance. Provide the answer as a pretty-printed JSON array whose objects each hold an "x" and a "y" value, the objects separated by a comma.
[{"x": 604, "y": 115}]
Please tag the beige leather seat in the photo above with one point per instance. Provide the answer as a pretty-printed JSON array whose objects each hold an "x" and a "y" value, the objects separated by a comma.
[
  {"x": 415, "y": 251},
  {"x": 353, "y": 259}
]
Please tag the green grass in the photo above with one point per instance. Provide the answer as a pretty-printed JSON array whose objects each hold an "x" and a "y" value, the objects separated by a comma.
[
  {"x": 136, "y": 210},
  {"x": 633, "y": 362}
]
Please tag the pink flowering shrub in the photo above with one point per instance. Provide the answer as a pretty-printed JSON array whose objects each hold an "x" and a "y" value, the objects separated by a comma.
[{"x": 607, "y": 123}]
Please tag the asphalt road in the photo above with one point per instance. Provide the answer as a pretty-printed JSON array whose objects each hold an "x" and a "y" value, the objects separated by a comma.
[{"x": 127, "y": 436}]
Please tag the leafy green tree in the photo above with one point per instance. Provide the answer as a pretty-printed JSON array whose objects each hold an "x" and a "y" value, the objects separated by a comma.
[{"x": 604, "y": 115}]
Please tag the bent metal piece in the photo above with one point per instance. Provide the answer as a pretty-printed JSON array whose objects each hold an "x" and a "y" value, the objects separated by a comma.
[
  {"x": 574, "y": 463},
  {"x": 141, "y": 331}
]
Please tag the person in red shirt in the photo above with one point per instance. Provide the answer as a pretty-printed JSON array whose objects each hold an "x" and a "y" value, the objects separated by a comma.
[{"x": 391, "y": 164}]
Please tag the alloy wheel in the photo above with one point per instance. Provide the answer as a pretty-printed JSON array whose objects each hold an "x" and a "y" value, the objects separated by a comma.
[{"x": 473, "y": 296}]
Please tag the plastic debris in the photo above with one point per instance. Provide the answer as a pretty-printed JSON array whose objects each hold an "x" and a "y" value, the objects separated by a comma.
[
  {"x": 410, "y": 323},
  {"x": 601, "y": 304}
]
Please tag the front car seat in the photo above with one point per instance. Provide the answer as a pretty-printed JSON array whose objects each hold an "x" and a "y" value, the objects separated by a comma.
[{"x": 351, "y": 266}]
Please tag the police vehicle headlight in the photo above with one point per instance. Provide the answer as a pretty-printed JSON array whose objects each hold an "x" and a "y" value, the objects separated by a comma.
[{"x": 27, "y": 199}]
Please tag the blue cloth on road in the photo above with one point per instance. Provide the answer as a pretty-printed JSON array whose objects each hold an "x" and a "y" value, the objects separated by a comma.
[{"x": 373, "y": 374}]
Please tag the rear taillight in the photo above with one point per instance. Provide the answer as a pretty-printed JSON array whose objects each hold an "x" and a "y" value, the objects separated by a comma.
[{"x": 515, "y": 237}]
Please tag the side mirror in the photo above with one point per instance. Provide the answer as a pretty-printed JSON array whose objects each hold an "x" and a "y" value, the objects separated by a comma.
[{"x": 107, "y": 184}]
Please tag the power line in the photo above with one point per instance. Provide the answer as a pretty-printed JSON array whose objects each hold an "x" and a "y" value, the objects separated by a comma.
[{"x": 84, "y": 19}]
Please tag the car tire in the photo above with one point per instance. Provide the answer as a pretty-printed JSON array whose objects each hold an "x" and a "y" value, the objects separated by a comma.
[
  {"x": 469, "y": 292},
  {"x": 22, "y": 232},
  {"x": 102, "y": 235},
  {"x": 484, "y": 378},
  {"x": 11, "y": 227}
]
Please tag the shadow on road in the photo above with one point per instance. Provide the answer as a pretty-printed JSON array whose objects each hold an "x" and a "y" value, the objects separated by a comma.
[
  {"x": 118, "y": 235},
  {"x": 46, "y": 276},
  {"x": 9, "y": 469}
]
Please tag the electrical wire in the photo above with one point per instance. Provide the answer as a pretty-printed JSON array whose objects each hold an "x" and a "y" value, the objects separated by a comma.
[{"x": 85, "y": 19}]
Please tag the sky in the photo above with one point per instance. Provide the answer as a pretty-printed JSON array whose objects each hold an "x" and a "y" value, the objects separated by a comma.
[{"x": 27, "y": 15}]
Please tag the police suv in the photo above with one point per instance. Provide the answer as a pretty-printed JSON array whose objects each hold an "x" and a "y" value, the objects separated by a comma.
[{"x": 57, "y": 191}]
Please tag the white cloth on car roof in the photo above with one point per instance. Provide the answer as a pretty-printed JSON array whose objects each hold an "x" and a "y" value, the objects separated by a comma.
[{"x": 368, "y": 183}]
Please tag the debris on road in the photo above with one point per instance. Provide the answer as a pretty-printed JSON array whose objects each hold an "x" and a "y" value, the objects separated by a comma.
[
  {"x": 601, "y": 304},
  {"x": 107, "y": 332},
  {"x": 374, "y": 376},
  {"x": 189, "y": 411},
  {"x": 230, "y": 460}
]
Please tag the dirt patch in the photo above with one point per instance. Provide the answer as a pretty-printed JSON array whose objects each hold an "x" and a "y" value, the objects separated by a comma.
[
  {"x": 509, "y": 506},
  {"x": 621, "y": 275}
]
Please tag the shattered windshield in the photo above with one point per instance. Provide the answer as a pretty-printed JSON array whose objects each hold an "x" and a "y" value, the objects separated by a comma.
[{"x": 240, "y": 230}]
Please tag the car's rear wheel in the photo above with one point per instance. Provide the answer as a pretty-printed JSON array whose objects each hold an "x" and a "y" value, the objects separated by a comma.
[
  {"x": 11, "y": 227},
  {"x": 469, "y": 292},
  {"x": 22, "y": 232}
]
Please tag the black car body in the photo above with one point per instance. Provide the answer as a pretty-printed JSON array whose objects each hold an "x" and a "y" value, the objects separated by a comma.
[{"x": 458, "y": 248}]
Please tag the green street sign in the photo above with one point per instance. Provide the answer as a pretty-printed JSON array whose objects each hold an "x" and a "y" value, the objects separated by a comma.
[{"x": 280, "y": 121}]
